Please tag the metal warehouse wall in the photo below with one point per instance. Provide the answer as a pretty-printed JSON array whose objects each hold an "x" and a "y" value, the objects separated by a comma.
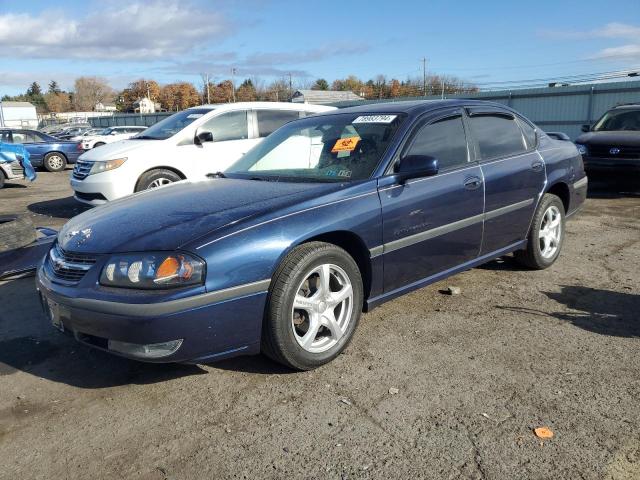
[{"x": 563, "y": 109}]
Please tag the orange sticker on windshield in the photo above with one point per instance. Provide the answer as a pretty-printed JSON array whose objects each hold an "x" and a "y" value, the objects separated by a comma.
[{"x": 345, "y": 145}]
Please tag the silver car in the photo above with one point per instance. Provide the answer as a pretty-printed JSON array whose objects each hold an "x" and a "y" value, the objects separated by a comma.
[{"x": 10, "y": 171}]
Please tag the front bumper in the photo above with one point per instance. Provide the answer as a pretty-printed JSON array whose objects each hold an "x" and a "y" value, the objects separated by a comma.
[
  {"x": 613, "y": 164},
  {"x": 100, "y": 188},
  {"x": 222, "y": 329}
]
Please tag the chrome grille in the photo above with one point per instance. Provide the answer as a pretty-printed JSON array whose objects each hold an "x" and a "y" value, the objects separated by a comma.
[
  {"x": 604, "y": 151},
  {"x": 69, "y": 266},
  {"x": 17, "y": 169},
  {"x": 82, "y": 169}
]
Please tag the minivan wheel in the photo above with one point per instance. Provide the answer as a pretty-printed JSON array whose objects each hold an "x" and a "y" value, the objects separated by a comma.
[
  {"x": 98, "y": 144},
  {"x": 314, "y": 306},
  {"x": 546, "y": 235},
  {"x": 55, "y": 162},
  {"x": 156, "y": 178}
]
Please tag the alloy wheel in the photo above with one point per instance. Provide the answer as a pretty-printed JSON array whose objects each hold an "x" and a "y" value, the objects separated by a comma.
[
  {"x": 55, "y": 162},
  {"x": 550, "y": 232},
  {"x": 159, "y": 182},
  {"x": 322, "y": 308}
]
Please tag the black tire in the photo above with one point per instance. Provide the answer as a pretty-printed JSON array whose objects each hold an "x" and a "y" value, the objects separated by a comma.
[
  {"x": 98, "y": 144},
  {"x": 532, "y": 256},
  {"x": 1, "y": 179},
  {"x": 15, "y": 231},
  {"x": 54, "y": 162},
  {"x": 147, "y": 179},
  {"x": 278, "y": 338}
]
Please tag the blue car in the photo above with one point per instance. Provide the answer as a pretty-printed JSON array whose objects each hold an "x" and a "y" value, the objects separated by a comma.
[
  {"x": 329, "y": 216},
  {"x": 46, "y": 151}
]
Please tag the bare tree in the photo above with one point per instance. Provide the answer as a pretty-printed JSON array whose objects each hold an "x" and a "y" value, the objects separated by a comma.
[{"x": 89, "y": 91}]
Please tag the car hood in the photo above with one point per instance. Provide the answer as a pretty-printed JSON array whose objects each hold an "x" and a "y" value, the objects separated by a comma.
[
  {"x": 117, "y": 149},
  {"x": 169, "y": 217},
  {"x": 617, "y": 139}
]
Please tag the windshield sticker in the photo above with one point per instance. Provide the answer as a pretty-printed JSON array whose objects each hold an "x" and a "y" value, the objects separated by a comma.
[
  {"x": 345, "y": 144},
  {"x": 375, "y": 119},
  {"x": 195, "y": 115}
]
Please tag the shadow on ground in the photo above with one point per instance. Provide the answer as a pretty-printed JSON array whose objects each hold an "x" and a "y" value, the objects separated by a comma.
[
  {"x": 613, "y": 185},
  {"x": 29, "y": 343},
  {"x": 604, "y": 312},
  {"x": 59, "y": 208}
]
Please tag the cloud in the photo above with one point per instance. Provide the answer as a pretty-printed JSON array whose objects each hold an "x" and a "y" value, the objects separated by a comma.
[
  {"x": 614, "y": 30},
  {"x": 307, "y": 56},
  {"x": 136, "y": 31}
]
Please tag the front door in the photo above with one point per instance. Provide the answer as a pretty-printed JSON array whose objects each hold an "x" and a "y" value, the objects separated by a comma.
[{"x": 433, "y": 224}]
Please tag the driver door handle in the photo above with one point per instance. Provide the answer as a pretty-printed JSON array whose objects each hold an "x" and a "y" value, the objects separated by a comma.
[{"x": 472, "y": 183}]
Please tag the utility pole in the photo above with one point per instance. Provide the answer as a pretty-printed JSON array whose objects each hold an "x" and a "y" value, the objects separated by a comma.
[
  {"x": 443, "y": 88},
  {"x": 207, "y": 87},
  {"x": 424, "y": 76},
  {"x": 290, "y": 87},
  {"x": 233, "y": 84}
]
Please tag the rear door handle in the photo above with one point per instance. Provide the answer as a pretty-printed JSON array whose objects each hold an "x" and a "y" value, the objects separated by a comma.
[
  {"x": 537, "y": 166},
  {"x": 472, "y": 183}
]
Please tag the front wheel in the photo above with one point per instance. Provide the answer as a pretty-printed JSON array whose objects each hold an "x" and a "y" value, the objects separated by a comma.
[
  {"x": 314, "y": 306},
  {"x": 156, "y": 178},
  {"x": 546, "y": 235},
  {"x": 98, "y": 144}
]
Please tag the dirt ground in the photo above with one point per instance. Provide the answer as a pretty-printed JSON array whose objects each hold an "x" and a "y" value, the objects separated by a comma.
[{"x": 475, "y": 373}]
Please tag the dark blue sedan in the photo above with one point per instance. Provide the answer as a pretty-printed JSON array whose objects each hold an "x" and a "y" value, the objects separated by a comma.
[
  {"x": 329, "y": 216},
  {"x": 44, "y": 150}
]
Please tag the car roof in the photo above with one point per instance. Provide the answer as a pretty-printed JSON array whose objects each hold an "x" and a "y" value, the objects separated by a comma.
[
  {"x": 304, "y": 107},
  {"x": 628, "y": 106},
  {"x": 413, "y": 107}
]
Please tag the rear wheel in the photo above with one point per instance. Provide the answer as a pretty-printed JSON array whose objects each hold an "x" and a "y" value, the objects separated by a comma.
[
  {"x": 156, "y": 178},
  {"x": 546, "y": 235},
  {"x": 55, "y": 162},
  {"x": 1, "y": 179},
  {"x": 314, "y": 306},
  {"x": 98, "y": 144}
]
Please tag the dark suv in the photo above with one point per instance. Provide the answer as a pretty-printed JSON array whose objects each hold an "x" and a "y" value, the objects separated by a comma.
[{"x": 613, "y": 142}]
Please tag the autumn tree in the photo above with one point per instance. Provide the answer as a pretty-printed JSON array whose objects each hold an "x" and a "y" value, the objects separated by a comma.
[
  {"x": 91, "y": 90},
  {"x": 246, "y": 92},
  {"x": 138, "y": 90},
  {"x": 394, "y": 88},
  {"x": 57, "y": 102},
  {"x": 178, "y": 96},
  {"x": 223, "y": 92}
]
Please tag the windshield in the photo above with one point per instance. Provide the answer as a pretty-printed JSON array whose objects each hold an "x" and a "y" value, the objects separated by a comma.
[
  {"x": 327, "y": 148},
  {"x": 171, "y": 125},
  {"x": 618, "y": 120},
  {"x": 105, "y": 131}
]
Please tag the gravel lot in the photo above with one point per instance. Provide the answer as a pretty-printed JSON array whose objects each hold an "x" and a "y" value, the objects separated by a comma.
[{"x": 474, "y": 374}]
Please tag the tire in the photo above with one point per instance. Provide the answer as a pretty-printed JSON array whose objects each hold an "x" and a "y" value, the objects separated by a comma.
[
  {"x": 54, "y": 162},
  {"x": 16, "y": 231},
  {"x": 1, "y": 179},
  {"x": 287, "y": 333},
  {"x": 98, "y": 144},
  {"x": 537, "y": 255},
  {"x": 156, "y": 178}
]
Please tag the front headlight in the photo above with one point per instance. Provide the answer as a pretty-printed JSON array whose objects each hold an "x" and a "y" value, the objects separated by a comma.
[
  {"x": 582, "y": 149},
  {"x": 154, "y": 270},
  {"x": 106, "y": 165}
]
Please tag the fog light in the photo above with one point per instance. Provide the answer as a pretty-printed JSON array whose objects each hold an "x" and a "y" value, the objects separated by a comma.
[{"x": 152, "y": 350}]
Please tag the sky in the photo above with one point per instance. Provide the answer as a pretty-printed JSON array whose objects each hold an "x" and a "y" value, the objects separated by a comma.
[{"x": 482, "y": 42}]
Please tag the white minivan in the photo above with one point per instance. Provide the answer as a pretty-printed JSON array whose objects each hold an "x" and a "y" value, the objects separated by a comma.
[{"x": 187, "y": 145}]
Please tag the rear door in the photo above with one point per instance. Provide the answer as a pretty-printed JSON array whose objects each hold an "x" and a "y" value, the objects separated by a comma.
[
  {"x": 433, "y": 224},
  {"x": 514, "y": 175}
]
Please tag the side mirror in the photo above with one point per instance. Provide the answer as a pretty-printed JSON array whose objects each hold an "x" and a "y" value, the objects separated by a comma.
[
  {"x": 415, "y": 166},
  {"x": 202, "y": 137},
  {"x": 586, "y": 128}
]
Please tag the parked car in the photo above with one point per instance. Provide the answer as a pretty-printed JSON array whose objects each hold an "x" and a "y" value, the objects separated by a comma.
[
  {"x": 329, "y": 215},
  {"x": 44, "y": 150},
  {"x": 613, "y": 142},
  {"x": 110, "y": 135},
  {"x": 69, "y": 133},
  {"x": 189, "y": 144},
  {"x": 10, "y": 171},
  {"x": 87, "y": 133}
]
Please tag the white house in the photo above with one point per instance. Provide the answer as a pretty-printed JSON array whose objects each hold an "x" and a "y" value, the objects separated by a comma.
[{"x": 144, "y": 105}]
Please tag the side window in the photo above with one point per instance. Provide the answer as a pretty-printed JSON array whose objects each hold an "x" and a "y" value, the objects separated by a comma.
[
  {"x": 497, "y": 136},
  {"x": 228, "y": 126},
  {"x": 5, "y": 137},
  {"x": 271, "y": 120},
  {"x": 20, "y": 137},
  {"x": 444, "y": 140},
  {"x": 529, "y": 133}
]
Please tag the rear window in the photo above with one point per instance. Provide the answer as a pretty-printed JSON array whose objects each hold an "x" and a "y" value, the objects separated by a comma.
[
  {"x": 497, "y": 136},
  {"x": 271, "y": 120}
]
